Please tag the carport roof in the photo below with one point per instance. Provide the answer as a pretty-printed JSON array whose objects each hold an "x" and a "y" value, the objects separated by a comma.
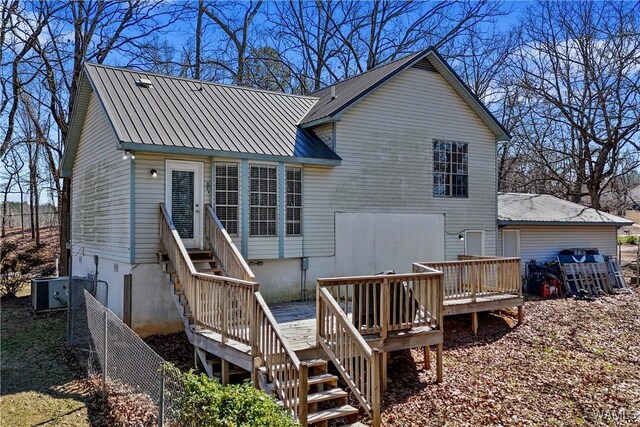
[{"x": 543, "y": 209}]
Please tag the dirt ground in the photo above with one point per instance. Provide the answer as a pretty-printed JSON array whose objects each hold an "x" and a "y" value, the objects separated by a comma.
[{"x": 571, "y": 363}]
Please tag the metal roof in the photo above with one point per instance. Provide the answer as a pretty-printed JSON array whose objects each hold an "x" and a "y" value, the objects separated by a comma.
[
  {"x": 152, "y": 112},
  {"x": 543, "y": 209},
  {"x": 349, "y": 91}
]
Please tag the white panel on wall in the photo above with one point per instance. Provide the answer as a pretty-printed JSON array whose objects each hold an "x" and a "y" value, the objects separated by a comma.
[{"x": 370, "y": 242}]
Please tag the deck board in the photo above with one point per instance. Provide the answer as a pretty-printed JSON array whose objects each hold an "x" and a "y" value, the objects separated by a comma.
[{"x": 297, "y": 319}]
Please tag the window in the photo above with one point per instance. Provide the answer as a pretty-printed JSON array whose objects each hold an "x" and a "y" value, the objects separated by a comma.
[
  {"x": 450, "y": 169},
  {"x": 227, "y": 195},
  {"x": 294, "y": 201},
  {"x": 263, "y": 185}
]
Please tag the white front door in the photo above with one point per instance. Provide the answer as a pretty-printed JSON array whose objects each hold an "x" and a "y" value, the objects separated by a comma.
[
  {"x": 474, "y": 242},
  {"x": 184, "y": 199}
]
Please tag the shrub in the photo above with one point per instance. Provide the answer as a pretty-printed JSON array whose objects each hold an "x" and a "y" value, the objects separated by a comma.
[
  {"x": 629, "y": 240},
  {"x": 206, "y": 403},
  {"x": 12, "y": 280}
]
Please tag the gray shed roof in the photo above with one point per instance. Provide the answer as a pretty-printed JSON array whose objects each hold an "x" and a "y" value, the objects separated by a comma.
[
  {"x": 543, "y": 209},
  {"x": 349, "y": 91},
  {"x": 178, "y": 115}
]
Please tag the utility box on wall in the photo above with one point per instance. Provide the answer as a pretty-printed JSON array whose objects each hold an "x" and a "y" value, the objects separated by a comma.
[{"x": 49, "y": 293}]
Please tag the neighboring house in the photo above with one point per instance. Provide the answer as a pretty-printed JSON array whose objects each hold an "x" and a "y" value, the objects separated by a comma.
[
  {"x": 389, "y": 167},
  {"x": 538, "y": 226},
  {"x": 634, "y": 199}
]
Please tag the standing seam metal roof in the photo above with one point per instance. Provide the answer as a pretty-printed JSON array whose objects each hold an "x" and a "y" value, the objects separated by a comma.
[
  {"x": 523, "y": 208},
  {"x": 178, "y": 112}
]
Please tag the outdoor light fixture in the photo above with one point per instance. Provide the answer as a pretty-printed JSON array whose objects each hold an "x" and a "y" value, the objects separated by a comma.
[
  {"x": 461, "y": 237},
  {"x": 154, "y": 173},
  {"x": 128, "y": 155}
]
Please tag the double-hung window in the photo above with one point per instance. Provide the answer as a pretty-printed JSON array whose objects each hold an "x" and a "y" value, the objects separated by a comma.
[
  {"x": 450, "y": 169},
  {"x": 226, "y": 195},
  {"x": 263, "y": 198},
  {"x": 294, "y": 201}
]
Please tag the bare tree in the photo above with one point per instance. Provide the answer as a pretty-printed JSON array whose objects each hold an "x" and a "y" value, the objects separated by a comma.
[{"x": 579, "y": 68}]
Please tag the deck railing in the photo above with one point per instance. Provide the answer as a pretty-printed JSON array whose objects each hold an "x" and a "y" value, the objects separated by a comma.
[
  {"x": 288, "y": 375},
  {"x": 357, "y": 362},
  {"x": 350, "y": 307},
  {"x": 220, "y": 304},
  {"x": 383, "y": 303},
  {"x": 474, "y": 277},
  {"x": 235, "y": 309},
  {"x": 217, "y": 239}
]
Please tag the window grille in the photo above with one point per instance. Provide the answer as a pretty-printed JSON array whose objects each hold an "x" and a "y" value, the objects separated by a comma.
[
  {"x": 226, "y": 196},
  {"x": 263, "y": 195},
  {"x": 450, "y": 169},
  {"x": 294, "y": 201}
]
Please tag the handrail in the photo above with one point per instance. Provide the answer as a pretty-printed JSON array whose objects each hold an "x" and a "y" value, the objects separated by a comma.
[
  {"x": 379, "y": 304},
  {"x": 229, "y": 257},
  {"x": 288, "y": 375},
  {"x": 235, "y": 309},
  {"x": 475, "y": 277},
  {"x": 357, "y": 362},
  {"x": 218, "y": 303}
]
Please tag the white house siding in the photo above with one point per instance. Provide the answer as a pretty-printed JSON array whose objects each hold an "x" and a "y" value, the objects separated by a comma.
[
  {"x": 543, "y": 242},
  {"x": 149, "y": 193},
  {"x": 386, "y": 143},
  {"x": 100, "y": 191}
]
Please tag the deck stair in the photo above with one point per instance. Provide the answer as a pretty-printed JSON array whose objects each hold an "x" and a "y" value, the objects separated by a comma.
[{"x": 226, "y": 319}]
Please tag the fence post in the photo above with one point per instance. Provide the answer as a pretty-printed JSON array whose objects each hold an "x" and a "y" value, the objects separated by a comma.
[
  {"x": 104, "y": 354},
  {"x": 161, "y": 402},
  {"x": 70, "y": 315}
]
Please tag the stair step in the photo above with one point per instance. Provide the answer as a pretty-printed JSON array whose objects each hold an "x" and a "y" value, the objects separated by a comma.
[
  {"x": 202, "y": 261},
  {"x": 330, "y": 414},
  {"x": 216, "y": 271},
  {"x": 323, "y": 396},
  {"x": 194, "y": 251},
  {"x": 312, "y": 380},
  {"x": 232, "y": 372},
  {"x": 314, "y": 363}
]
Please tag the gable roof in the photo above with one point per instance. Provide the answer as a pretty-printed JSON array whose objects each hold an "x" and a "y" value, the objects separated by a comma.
[
  {"x": 178, "y": 115},
  {"x": 540, "y": 209},
  {"x": 349, "y": 91}
]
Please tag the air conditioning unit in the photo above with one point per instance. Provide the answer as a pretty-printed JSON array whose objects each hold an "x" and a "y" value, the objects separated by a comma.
[{"x": 49, "y": 293}]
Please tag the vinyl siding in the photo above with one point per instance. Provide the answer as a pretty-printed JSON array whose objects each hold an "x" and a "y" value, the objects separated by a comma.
[
  {"x": 543, "y": 242},
  {"x": 149, "y": 193},
  {"x": 100, "y": 191},
  {"x": 386, "y": 143}
]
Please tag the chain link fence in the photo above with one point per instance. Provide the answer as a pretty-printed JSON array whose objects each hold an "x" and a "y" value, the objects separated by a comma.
[{"x": 129, "y": 372}]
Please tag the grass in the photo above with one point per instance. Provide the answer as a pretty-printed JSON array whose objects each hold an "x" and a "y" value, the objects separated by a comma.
[{"x": 36, "y": 383}]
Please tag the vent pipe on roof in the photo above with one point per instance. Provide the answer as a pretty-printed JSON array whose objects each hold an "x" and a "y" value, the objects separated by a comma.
[
  {"x": 146, "y": 83},
  {"x": 333, "y": 92}
]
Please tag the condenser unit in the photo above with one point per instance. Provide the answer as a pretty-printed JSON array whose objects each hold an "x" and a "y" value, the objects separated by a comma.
[{"x": 49, "y": 293}]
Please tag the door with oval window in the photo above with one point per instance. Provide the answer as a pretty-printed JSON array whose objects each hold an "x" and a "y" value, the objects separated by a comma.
[{"x": 184, "y": 200}]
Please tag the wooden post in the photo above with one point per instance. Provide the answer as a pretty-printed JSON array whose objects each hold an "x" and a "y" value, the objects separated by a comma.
[
  {"x": 224, "y": 364},
  {"x": 375, "y": 388},
  {"x": 474, "y": 323},
  {"x": 385, "y": 308},
  {"x": 255, "y": 334},
  {"x": 303, "y": 411},
  {"x": 383, "y": 370},
  {"x": 520, "y": 314},
  {"x": 427, "y": 357},
  {"x": 319, "y": 321},
  {"x": 161, "y": 402},
  {"x": 439, "y": 363}
]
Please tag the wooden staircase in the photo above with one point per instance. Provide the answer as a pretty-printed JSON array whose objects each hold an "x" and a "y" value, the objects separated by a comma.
[{"x": 233, "y": 331}]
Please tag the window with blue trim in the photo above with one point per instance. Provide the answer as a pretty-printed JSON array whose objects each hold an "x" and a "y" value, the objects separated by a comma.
[
  {"x": 263, "y": 200},
  {"x": 294, "y": 201}
]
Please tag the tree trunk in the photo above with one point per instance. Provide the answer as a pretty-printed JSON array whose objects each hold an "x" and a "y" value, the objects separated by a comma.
[
  {"x": 4, "y": 209},
  {"x": 64, "y": 204}
]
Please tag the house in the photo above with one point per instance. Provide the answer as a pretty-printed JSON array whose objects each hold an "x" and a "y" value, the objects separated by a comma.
[
  {"x": 389, "y": 167},
  {"x": 538, "y": 226}
]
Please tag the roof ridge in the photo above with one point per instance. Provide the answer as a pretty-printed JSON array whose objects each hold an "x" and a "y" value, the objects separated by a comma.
[
  {"x": 208, "y": 82},
  {"x": 377, "y": 67}
]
